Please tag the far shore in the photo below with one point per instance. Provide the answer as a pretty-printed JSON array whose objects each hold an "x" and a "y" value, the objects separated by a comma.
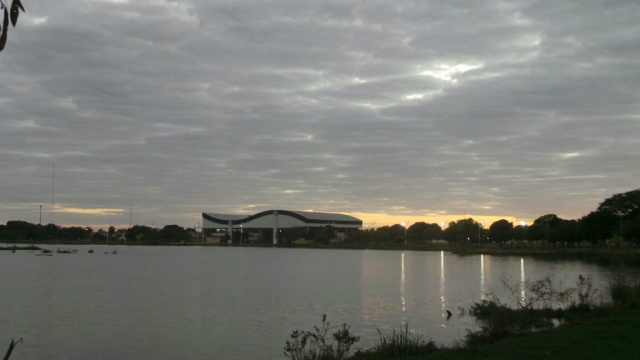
[{"x": 600, "y": 255}]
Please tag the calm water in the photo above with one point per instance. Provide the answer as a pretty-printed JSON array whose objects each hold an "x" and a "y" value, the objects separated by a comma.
[{"x": 240, "y": 303}]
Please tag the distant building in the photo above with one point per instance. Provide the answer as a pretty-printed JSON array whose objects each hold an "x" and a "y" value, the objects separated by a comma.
[{"x": 274, "y": 220}]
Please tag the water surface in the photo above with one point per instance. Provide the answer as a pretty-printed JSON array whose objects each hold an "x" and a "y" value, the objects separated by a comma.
[{"x": 241, "y": 303}]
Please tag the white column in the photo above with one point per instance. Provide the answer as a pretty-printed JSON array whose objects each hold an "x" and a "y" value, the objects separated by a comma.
[{"x": 275, "y": 227}]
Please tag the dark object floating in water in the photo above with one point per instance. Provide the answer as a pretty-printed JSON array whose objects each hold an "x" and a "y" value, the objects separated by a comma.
[
  {"x": 66, "y": 251},
  {"x": 90, "y": 251},
  {"x": 448, "y": 314}
]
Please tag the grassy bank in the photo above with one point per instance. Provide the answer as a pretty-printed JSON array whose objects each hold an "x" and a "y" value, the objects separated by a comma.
[{"x": 614, "y": 336}]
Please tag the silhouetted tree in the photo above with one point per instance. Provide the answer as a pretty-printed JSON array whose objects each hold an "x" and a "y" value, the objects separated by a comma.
[
  {"x": 422, "y": 231},
  {"x": 173, "y": 233},
  {"x": 462, "y": 231},
  {"x": 142, "y": 234},
  {"x": 567, "y": 232},
  {"x": 501, "y": 231},
  {"x": 598, "y": 226},
  {"x": 625, "y": 204},
  {"x": 520, "y": 233},
  {"x": 631, "y": 230},
  {"x": 12, "y": 14},
  {"x": 543, "y": 229}
]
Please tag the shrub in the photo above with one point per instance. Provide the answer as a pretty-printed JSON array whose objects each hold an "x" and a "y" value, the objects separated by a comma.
[
  {"x": 402, "y": 343},
  {"x": 316, "y": 345},
  {"x": 625, "y": 291}
]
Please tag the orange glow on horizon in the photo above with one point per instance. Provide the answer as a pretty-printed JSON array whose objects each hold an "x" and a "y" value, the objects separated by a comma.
[
  {"x": 88, "y": 211},
  {"x": 376, "y": 220}
]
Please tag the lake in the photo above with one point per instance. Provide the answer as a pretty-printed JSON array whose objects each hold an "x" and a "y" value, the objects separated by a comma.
[{"x": 242, "y": 303}]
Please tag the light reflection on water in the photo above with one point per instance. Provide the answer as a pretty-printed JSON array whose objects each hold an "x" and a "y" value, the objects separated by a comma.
[
  {"x": 443, "y": 288},
  {"x": 402, "y": 285},
  {"x": 523, "y": 280},
  {"x": 483, "y": 285},
  {"x": 240, "y": 303}
]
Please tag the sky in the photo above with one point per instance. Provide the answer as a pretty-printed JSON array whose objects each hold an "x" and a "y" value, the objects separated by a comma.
[{"x": 151, "y": 112}]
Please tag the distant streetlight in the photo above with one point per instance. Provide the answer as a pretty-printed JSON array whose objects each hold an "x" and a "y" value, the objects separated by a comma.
[{"x": 241, "y": 234}]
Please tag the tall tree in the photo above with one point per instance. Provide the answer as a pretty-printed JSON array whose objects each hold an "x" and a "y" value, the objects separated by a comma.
[
  {"x": 501, "y": 231},
  {"x": 623, "y": 205},
  {"x": 422, "y": 231},
  {"x": 543, "y": 228},
  {"x": 462, "y": 231},
  {"x": 598, "y": 226}
]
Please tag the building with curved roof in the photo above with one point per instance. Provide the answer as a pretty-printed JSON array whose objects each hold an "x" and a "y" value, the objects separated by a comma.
[{"x": 279, "y": 219}]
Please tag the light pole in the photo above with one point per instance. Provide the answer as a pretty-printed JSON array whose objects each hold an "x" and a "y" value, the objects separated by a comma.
[
  {"x": 40, "y": 221},
  {"x": 240, "y": 234}
]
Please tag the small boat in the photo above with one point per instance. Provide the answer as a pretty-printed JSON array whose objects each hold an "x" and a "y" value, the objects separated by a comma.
[{"x": 90, "y": 251}]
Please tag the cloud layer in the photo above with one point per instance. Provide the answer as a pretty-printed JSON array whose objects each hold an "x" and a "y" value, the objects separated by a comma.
[{"x": 407, "y": 108}]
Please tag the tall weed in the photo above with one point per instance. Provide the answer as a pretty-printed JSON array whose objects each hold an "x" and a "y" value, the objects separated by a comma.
[{"x": 317, "y": 345}]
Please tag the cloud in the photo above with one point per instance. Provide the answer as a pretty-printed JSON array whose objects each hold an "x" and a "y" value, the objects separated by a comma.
[{"x": 405, "y": 108}]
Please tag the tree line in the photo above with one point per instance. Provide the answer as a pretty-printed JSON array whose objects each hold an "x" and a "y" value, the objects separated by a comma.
[
  {"x": 16, "y": 231},
  {"x": 616, "y": 220}
]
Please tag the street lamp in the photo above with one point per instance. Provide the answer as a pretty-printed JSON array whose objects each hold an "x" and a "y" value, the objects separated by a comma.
[{"x": 240, "y": 234}]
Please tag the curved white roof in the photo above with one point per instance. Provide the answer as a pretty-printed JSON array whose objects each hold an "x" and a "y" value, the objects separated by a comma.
[{"x": 286, "y": 218}]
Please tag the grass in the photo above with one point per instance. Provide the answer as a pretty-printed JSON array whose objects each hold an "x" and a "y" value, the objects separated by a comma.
[
  {"x": 614, "y": 336},
  {"x": 399, "y": 345}
]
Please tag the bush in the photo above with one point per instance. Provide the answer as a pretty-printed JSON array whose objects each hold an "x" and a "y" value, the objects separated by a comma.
[
  {"x": 535, "y": 309},
  {"x": 315, "y": 345},
  {"x": 402, "y": 343},
  {"x": 625, "y": 291}
]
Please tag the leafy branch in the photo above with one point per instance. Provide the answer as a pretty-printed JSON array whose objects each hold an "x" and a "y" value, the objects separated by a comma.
[{"x": 10, "y": 13}]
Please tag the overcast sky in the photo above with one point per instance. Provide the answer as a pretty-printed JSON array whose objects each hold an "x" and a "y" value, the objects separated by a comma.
[{"x": 412, "y": 109}]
